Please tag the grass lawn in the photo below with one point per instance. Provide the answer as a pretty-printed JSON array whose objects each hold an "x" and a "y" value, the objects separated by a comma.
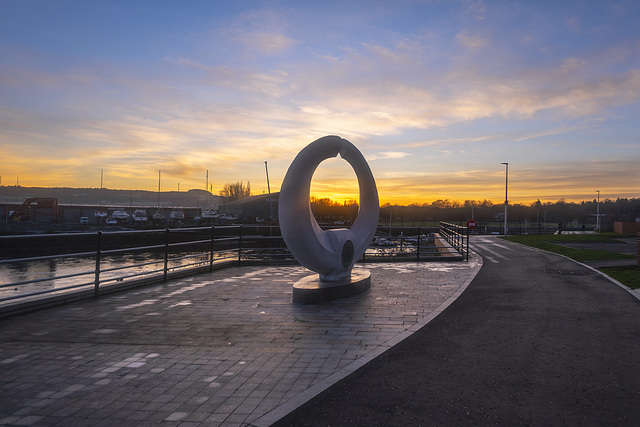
[
  {"x": 553, "y": 243},
  {"x": 628, "y": 275}
]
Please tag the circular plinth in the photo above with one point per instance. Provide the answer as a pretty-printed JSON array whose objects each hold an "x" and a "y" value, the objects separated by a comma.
[{"x": 310, "y": 290}]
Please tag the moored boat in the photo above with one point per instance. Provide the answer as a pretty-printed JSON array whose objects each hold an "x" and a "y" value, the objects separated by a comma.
[
  {"x": 158, "y": 215},
  {"x": 176, "y": 215},
  {"x": 140, "y": 215},
  {"x": 119, "y": 214}
]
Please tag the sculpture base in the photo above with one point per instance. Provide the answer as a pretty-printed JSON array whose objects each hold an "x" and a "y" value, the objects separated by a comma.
[{"x": 310, "y": 290}]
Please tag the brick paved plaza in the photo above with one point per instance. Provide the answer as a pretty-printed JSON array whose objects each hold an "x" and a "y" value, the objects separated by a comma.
[{"x": 221, "y": 348}]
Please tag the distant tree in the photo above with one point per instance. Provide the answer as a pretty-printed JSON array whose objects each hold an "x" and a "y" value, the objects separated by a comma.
[
  {"x": 445, "y": 204},
  {"x": 235, "y": 191},
  {"x": 442, "y": 204},
  {"x": 324, "y": 201}
]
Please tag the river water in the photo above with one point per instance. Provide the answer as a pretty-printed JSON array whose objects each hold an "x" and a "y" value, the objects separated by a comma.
[
  {"x": 53, "y": 270},
  {"x": 52, "y": 274}
]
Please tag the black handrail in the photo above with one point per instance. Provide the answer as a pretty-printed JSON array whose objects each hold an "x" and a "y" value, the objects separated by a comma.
[
  {"x": 457, "y": 236},
  {"x": 223, "y": 245},
  {"x": 101, "y": 251}
]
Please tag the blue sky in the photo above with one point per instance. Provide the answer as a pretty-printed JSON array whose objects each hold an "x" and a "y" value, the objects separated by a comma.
[{"x": 436, "y": 94}]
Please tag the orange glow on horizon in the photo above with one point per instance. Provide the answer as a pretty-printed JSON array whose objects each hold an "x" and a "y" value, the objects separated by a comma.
[
  {"x": 335, "y": 179},
  {"x": 418, "y": 201},
  {"x": 347, "y": 191}
]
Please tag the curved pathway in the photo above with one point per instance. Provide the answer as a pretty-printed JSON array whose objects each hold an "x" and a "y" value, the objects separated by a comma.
[{"x": 536, "y": 339}]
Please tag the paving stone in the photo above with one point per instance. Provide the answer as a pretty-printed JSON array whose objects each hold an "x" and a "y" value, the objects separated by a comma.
[{"x": 220, "y": 348}]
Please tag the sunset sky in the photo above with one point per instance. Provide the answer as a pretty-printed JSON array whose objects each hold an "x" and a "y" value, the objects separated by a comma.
[{"x": 435, "y": 94}]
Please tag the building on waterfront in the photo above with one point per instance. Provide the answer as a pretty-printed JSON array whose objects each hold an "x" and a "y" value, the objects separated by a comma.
[
  {"x": 251, "y": 209},
  {"x": 97, "y": 205}
]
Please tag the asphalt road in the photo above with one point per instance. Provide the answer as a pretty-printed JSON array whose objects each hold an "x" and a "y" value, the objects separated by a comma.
[{"x": 536, "y": 339}]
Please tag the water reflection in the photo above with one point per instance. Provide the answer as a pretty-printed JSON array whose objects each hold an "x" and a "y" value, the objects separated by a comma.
[
  {"x": 52, "y": 274},
  {"x": 23, "y": 271},
  {"x": 83, "y": 270}
]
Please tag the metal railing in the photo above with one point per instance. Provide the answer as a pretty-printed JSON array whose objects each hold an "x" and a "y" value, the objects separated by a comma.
[
  {"x": 402, "y": 244},
  {"x": 519, "y": 227},
  {"x": 105, "y": 261},
  {"x": 457, "y": 237},
  {"x": 166, "y": 253}
]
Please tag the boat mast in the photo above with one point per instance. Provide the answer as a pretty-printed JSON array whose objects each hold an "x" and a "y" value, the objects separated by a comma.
[{"x": 159, "y": 172}]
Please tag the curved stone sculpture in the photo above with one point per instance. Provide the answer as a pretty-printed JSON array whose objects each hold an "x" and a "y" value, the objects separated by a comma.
[{"x": 330, "y": 253}]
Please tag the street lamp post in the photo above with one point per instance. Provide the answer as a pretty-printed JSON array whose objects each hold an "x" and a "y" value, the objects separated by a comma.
[
  {"x": 506, "y": 198},
  {"x": 598, "y": 213},
  {"x": 266, "y": 168}
]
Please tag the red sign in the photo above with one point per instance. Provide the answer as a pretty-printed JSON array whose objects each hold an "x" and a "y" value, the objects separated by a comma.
[{"x": 472, "y": 223}]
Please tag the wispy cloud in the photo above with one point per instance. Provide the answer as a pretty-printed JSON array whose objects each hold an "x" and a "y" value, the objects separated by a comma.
[
  {"x": 441, "y": 95},
  {"x": 449, "y": 141},
  {"x": 388, "y": 155},
  {"x": 472, "y": 41},
  {"x": 571, "y": 64},
  {"x": 258, "y": 32},
  {"x": 264, "y": 43}
]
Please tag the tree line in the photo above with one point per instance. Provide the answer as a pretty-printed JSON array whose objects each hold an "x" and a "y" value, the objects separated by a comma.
[{"x": 585, "y": 212}]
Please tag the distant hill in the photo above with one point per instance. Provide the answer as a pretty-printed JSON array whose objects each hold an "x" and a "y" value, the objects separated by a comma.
[{"x": 116, "y": 198}]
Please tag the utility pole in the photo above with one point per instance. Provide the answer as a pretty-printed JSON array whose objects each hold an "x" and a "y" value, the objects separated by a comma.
[
  {"x": 266, "y": 168},
  {"x": 506, "y": 198},
  {"x": 206, "y": 188},
  {"x": 598, "y": 213}
]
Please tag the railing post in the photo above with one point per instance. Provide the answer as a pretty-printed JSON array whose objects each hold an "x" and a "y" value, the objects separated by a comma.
[
  {"x": 96, "y": 289},
  {"x": 166, "y": 254},
  {"x": 213, "y": 229},
  {"x": 418, "y": 251},
  {"x": 467, "y": 244},
  {"x": 239, "y": 244},
  {"x": 456, "y": 237}
]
